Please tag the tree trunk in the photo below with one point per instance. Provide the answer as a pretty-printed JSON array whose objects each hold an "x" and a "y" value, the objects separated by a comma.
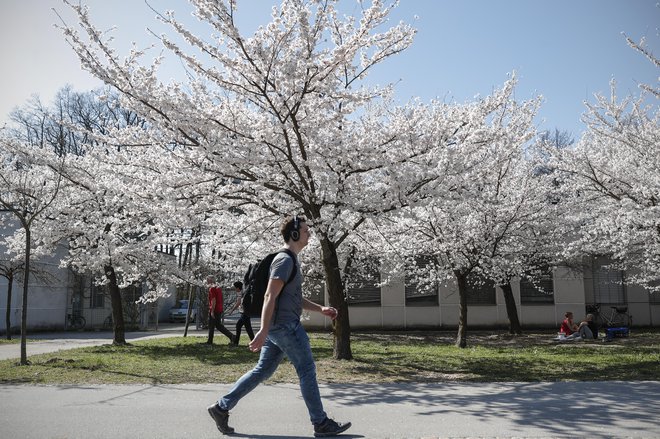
[
  {"x": 117, "y": 307},
  {"x": 26, "y": 276},
  {"x": 10, "y": 284},
  {"x": 511, "y": 310},
  {"x": 461, "y": 337},
  {"x": 341, "y": 327}
]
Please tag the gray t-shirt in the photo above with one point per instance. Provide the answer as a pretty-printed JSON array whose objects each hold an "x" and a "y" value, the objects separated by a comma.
[{"x": 289, "y": 302}]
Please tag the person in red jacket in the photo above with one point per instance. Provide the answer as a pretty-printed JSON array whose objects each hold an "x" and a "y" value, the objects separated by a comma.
[
  {"x": 568, "y": 326},
  {"x": 572, "y": 331},
  {"x": 215, "y": 312}
]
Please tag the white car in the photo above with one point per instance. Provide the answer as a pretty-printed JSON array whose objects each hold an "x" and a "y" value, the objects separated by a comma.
[{"x": 178, "y": 312}]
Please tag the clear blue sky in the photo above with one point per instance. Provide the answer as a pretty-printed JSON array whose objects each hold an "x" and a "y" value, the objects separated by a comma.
[{"x": 565, "y": 50}]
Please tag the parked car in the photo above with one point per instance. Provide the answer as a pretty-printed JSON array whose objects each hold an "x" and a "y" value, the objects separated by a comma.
[{"x": 178, "y": 312}]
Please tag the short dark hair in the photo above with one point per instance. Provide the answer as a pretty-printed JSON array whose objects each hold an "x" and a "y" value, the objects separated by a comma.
[
  {"x": 288, "y": 226},
  {"x": 238, "y": 284}
]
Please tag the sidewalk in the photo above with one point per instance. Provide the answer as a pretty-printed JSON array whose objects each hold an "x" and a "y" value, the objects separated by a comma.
[
  {"x": 390, "y": 411},
  {"x": 377, "y": 411},
  {"x": 45, "y": 342}
]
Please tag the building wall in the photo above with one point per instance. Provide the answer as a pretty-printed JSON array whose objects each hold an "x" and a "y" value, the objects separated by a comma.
[
  {"x": 46, "y": 298},
  {"x": 573, "y": 290},
  {"x": 50, "y": 302},
  {"x": 50, "y": 297}
]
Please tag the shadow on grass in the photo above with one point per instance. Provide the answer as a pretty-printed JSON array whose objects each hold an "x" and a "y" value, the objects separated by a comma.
[
  {"x": 378, "y": 358},
  {"x": 499, "y": 365}
]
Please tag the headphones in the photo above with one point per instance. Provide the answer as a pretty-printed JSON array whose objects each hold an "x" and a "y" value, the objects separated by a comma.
[{"x": 295, "y": 229}]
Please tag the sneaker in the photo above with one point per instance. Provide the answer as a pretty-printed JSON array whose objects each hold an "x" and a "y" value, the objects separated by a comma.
[
  {"x": 221, "y": 418},
  {"x": 330, "y": 428}
]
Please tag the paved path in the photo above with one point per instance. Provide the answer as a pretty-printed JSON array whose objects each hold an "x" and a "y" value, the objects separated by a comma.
[
  {"x": 392, "y": 411},
  {"x": 388, "y": 411},
  {"x": 45, "y": 342}
]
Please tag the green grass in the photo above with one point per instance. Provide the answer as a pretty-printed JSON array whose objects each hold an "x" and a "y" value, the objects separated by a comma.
[
  {"x": 14, "y": 340},
  {"x": 379, "y": 357}
]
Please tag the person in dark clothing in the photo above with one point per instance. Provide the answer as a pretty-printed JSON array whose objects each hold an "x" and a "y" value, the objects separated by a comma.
[{"x": 244, "y": 319}]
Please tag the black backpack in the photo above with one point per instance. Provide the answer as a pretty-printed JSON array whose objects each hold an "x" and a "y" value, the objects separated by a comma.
[{"x": 255, "y": 283}]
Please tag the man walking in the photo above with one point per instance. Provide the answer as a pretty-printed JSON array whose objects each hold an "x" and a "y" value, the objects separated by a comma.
[
  {"x": 281, "y": 334},
  {"x": 215, "y": 311},
  {"x": 244, "y": 319}
]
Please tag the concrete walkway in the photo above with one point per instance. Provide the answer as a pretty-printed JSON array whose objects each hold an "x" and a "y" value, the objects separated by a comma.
[
  {"x": 392, "y": 411},
  {"x": 45, "y": 342},
  {"x": 387, "y": 411}
]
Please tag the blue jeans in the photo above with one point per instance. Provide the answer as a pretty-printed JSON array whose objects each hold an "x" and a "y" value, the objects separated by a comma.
[{"x": 288, "y": 339}]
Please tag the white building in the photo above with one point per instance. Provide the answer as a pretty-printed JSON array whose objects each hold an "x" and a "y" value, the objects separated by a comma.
[
  {"x": 400, "y": 305},
  {"x": 58, "y": 297}
]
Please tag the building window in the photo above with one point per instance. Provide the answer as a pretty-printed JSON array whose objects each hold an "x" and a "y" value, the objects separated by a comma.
[
  {"x": 609, "y": 284},
  {"x": 364, "y": 286},
  {"x": 98, "y": 296},
  {"x": 538, "y": 290},
  {"x": 480, "y": 291},
  {"x": 131, "y": 309},
  {"x": 420, "y": 290}
]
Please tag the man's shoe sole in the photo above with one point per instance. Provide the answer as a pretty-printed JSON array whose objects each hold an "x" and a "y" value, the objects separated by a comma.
[{"x": 335, "y": 433}]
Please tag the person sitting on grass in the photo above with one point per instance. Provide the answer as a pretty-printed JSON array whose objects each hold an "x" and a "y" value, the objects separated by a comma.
[
  {"x": 572, "y": 331},
  {"x": 568, "y": 329},
  {"x": 587, "y": 328}
]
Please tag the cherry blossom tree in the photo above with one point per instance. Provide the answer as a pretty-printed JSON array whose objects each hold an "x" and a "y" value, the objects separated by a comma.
[
  {"x": 27, "y": 191},
  {"x": 611, "y": 179},
  {"x": 485, "y": 209},
  {"x": 276, "y": 123},
  {"x": 107, "y": 237},
  {"x": 641, "y": 47},
  {"x": 119, "y": 211}
]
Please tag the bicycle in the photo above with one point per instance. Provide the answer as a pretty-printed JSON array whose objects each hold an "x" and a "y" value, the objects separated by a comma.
[
  {"x": 75, "y": 321},
  {"x": 617, "y": 318}
]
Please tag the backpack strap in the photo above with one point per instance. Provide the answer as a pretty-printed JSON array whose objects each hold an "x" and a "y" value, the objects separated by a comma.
[{"x": 295, "y": 265}]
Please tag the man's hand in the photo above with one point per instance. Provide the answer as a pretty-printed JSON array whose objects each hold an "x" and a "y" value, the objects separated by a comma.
[
  {"x": 329, "y": 312},
  {"x": 258, "y": 341}
]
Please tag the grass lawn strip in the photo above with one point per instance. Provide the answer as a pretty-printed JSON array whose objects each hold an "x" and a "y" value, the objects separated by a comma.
[{"x": 378, "y": 358}]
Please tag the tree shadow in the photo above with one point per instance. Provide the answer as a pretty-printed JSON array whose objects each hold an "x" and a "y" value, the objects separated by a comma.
[{"x": 559, "y": 408}]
